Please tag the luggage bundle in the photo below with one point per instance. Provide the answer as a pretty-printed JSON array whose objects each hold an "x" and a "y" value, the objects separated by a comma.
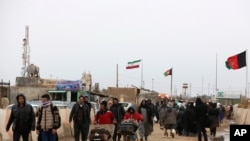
[
  {"x": 99, "y": 134},
  {"x": 128, "y": 127}
]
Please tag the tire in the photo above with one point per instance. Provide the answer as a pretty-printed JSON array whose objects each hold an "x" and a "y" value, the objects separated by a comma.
[{"x": 128, "y": 138}]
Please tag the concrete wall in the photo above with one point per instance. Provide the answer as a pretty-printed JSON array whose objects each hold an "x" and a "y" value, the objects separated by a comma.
[
  {"x": 152, "y": 96},
  {"x": 127, "y": 94},
  {"x": 64, "y": 132},
  {"x": 31, "y": 87},
  {"x": 31, "y": 92},
  {"x": 241, "y": 115}
]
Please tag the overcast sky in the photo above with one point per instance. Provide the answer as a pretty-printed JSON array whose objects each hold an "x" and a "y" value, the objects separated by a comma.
[{"x": 69, "y": 37}]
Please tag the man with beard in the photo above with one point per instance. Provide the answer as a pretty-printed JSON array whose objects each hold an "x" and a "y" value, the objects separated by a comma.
[
  {"x": 22, "y": 118},
  {"x": 81, "y": 117},
  {"x": 118, "y": 111}
]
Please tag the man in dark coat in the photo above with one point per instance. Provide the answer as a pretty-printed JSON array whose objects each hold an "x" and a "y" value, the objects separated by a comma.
[
  {"x": 118, "y": 111},
  {"x": 22, "y": 118},
  {"x": 81, "y": 117}
]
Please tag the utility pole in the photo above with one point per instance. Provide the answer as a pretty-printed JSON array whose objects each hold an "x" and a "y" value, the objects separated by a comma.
[{"x": 152, "y": 84}]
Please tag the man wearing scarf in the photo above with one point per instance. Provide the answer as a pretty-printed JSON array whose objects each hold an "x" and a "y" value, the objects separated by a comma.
[
  {"x": 81, "y": 117},
  {"x": 48, "y": 120}
]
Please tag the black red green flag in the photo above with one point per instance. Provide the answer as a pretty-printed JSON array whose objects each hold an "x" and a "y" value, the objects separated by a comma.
[
  {"x": 236, "y": 61},
  {"x": 168, "y": 72}
]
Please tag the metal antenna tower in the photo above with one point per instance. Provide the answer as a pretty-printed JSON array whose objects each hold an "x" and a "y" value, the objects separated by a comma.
[{"x": 26, "y": 52}]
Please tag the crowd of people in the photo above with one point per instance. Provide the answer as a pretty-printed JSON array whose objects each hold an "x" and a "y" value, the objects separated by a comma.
[
  {"x": 174, "y": 118},
  {"x": 112, "y": 112},
  {"x": 190, "y": 118}
]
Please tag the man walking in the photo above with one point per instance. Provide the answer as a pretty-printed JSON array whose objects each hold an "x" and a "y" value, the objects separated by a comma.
[
  {"x": 118, "y": 111},
  {"x": 22, "y": 118},
  {"x": 48, "y": 121},
  {"x": 81, "y": 117}
]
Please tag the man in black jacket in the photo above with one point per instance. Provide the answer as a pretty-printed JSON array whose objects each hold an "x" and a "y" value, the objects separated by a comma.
[
  {"x": 81, "y": 117},
  {"x": 22, "y": 118},
  {"x": 118, "y": 111}
]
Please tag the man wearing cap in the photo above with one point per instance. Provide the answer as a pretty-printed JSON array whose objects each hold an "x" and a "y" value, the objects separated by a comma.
[{"x": 22, "y": 118}]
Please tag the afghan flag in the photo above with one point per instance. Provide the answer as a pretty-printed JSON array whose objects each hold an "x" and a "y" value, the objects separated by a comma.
[
  {"x": 236, "y": 61},
  {"x": 133, "y": 64},
  {"x": 168, "y": 72}
]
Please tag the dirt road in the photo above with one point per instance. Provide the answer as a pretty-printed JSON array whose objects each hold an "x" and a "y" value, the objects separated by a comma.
[{"x": 158, "y": 134}]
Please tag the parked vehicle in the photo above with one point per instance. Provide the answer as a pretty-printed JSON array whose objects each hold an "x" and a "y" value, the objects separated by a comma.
[
  {"x": 36, "y": 104},
  {"x": 35, "y": 107},
  {"x": 94, "y": 106},
  {"x": 59, "y": 104},
  {"x": 126, "y": 105}
]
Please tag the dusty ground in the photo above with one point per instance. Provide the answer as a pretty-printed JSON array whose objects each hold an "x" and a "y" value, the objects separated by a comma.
[{"x": 158, "y": 134}]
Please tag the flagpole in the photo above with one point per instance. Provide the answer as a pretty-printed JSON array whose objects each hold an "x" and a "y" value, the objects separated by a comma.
[
  {"x": 141, "y": 74},
  {"x": 171, "y": 80},
  {"x": 116, "y": 75},
  {"x": 246, "y": 77},
  {"x": 216, "y": 70}
]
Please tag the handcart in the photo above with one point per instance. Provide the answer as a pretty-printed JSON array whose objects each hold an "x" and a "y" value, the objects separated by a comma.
[
  {"x": 101, "y": 132},
  {"x": 128, "y": 130}
]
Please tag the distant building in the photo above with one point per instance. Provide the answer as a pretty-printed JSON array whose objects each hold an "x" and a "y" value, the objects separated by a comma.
[
  {"x": 229, "y": 97},
  {"x": 124, "y": 94}
]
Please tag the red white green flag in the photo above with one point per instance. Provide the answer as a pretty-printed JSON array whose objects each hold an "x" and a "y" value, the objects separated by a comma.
[
  {"x": 133, "y": 64},
  {"x": 168, "y": 72},
  {"x": 236, "y": 61}
]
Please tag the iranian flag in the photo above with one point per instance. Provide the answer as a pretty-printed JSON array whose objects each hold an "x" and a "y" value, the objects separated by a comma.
[
  {"x": 168, "y": 72},
  {"x": 236, "y": 61},
  {"x": 133, "y": 64}
]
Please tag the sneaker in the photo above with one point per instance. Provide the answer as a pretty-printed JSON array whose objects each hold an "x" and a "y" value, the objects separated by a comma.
[
  {"x": 172, "y": 134},
  {"x": 166, "y": 133}
]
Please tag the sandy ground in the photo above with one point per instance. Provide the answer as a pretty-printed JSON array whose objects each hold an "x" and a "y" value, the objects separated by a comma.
[{"x": 158, "y": 134}]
